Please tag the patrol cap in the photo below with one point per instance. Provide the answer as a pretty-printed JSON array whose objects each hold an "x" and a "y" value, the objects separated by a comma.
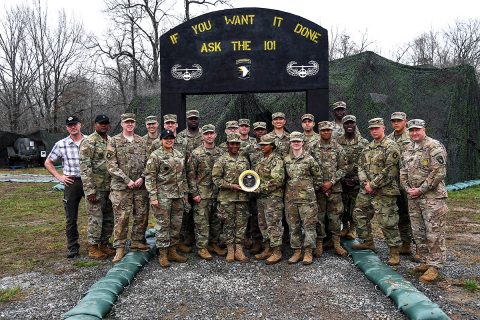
[
  {"x": 170, "y": 118},
  {"x": 415, "y": 123},
  {"x": 193, "y": 114},
  {"x": 296, "y": 136},
  {"x": 398, "y": 115},
  {"x": 151, "y": 119},
  {"x": 231, "y": 124},
  {"x": 339, "y": 104},
  {"x": 208, "y": 128},
  {"x": 267, "y": 139},
  {"x": 127, "y": 117},
  {"x": 278, "y": 115},
  {"x": 308, "y": 116},
  {"x": 233, "y": 137},
  {"x": 259, "y": 125},
  {"x": 167, "y": 134},
  {"x": 101, "y": 118},
  {"x": 349, "y": 117},
  {"x": 375, "y": 123},
  {"x": 72, "y": 120},
  {"x": 244, "y": 122},
  {"x": 325, "y": 125}
]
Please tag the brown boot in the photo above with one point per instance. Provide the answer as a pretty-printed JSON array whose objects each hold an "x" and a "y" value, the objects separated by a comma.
[
  {"x": 367, "y": 244},
  {"x": 94, "y": 252},
  {"x": 430, "y": 275},
  {"x": 352, "y": 233},
  {"x": 265, "y": 253},
  {"x": 174, "y": 256},
  {"x": 239, "y": 255},
  {"x": 204, "y": 254},
  {"x": 319, "y": 248},
  {"x": 418, "y": 256},
  {"x": 393, "y": 257},
  {"x": 218, "y": 251},
  {"x": 328, "y": 244},
  {"x": 307, "y": 257},
  {"x": 183, "y": 248},
  {"x": 405, "y": 249},
  {"x": 139, "y": 246},
  {"x": 275, "y": 257},
  {"x": 338, "y": 247},
  {"x": 422, "y": 267},
  {"x": 230, "y": 253},
  {"x": 256, "y": 247},
  {"x": 163, "y": 258},
  {"x": 107, "y": 249},
  {"x": 119, "y": 254},
  {"x": 297, "y": 256}
]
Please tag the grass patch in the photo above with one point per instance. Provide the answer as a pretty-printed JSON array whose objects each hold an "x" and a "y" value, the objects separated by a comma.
[
  {"x": 471, "y": 194},
  {"x": 85, "y": 264},
  {"x": 471, "y": 285},
  {"x": 10, "y": 294}
]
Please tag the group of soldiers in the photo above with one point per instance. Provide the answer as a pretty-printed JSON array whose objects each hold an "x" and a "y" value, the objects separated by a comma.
[{"x": 321, "y": 187}]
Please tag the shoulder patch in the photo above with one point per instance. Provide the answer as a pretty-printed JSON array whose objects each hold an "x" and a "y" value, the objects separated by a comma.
[{"x": 440, "y": 159}]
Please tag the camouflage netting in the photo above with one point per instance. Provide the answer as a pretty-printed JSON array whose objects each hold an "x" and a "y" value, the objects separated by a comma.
[{"x": 372, "y": 86}]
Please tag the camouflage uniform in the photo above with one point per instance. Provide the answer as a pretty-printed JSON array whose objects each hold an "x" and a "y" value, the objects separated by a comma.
[
  {"x": 233, "y": 204},
  {"x": 96, "y": 180},
  {"x": 310, "y": 141},
  {"x": 352, "y": 148},
  {"x": 331, "y": 157},
  {"x": 166, "y": 182},
  {"x": 126, "y": 162},
  {"x": 190, "y": 141},
  {"x": 404, "y": 226},
  {"x": 282, "y": 143},
  {"x": 303, "y": 177},
  {"x": 270, "y": 197},
  {"x": 149, "y": 141},
  {"x": 423, "y": 165},
  {"x": 200, "y": 183},
  {"x": 378, "y": 165}
]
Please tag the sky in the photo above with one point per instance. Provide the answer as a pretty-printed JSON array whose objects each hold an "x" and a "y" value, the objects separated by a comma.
[{"x": 389, "y": 24}]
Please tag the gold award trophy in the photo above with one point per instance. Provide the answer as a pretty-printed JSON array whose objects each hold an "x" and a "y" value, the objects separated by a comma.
[{"x": 249, "y": 180}]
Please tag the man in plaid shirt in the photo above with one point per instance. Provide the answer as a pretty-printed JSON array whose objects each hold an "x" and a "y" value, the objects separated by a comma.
[{"x": 67, "y": 151}]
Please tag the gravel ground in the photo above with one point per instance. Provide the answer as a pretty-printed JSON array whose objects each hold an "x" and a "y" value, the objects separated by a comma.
[{"x": 330, "y": 288}]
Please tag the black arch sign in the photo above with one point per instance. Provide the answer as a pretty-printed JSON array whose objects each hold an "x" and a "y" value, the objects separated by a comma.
[{"x": 244, "y": 50}]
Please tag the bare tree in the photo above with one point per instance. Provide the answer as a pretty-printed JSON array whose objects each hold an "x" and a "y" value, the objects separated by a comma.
[
  {"x": 206, "y": 3},
  {"x": 463, "y": 37},
  {"x": 342, "y": 45}
]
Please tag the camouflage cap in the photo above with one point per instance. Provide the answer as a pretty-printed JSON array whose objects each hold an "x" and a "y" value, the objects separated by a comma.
[
  {"x": 278, "y": 115},
  {"x": 339, "y": 104},
  {"x": 231, "y": 124},
  {"x": 416, "y": 123},
  {"x": 170, "y": 118},
  {"x": 267, "y": 139},
  {"x": 308, "y": 116},
  {"x": 193, "y": 114},
  {"x": 208, "y": 128},
  {"x": 259, "y": 125},
  {"x": 398, "y": 115},
  {"x": 375, "y": 123},
  {"x": 128, "y": 116},
  {"x": 349, "y": 117},
  {"x": 233, "y": 137},
  {"x": 296, "y": 136},
  {"x": 151, "y": 119},
  {"x": 244, "y": 122},
  {"x": 325, "y": 125}
]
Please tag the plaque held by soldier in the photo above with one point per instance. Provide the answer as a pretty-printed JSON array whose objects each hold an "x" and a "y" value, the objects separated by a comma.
[{"x": 249, "y": 180}]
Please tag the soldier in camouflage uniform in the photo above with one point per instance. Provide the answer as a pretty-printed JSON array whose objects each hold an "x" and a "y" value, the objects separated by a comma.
[
  {"x": 330, "y": 155},
  {"x": 303, "y": 177},
  {"x": 170, "y": 123},
  {"x": 230, "y": 128},
  {"x": 96, "y": 186},
  {"x": 152, "y": 131},
  {"x": 191, "y": 136},
  {"x": 166, "y": 184},
  {"x": 282, "y": 142},
  {"x": 271, "y": 171},
  {"x": 339, "y": 110},
  {"x": 378, "y": 175},
  {"x": 126, "y": 159},
  {"x": 253, "y": 151},
  {"x": 401, "y": 137},
  {"x": 244, "y": 130},
  {"x": 208, "y": 227},
  {"x": 311, "y": 137},
  {"x": 233, "y": 201},
  {"x": 423, "y": 168},
  {"x": 353, "y": 145}
]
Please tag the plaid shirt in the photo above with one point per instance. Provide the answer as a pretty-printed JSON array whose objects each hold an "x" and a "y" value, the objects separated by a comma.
[{"x": 67, "y": 151}]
